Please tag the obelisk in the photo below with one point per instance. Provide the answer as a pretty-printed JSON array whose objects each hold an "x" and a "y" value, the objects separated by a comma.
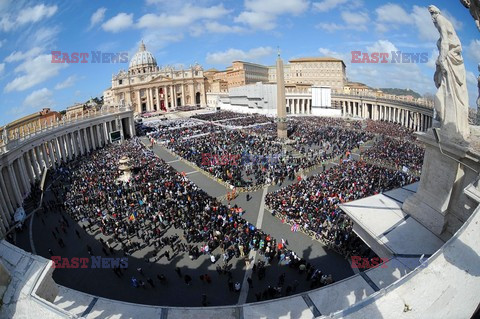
[{"x": 281, "y": 109}]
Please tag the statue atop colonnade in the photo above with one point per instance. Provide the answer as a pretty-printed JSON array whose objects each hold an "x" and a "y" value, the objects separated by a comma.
[{"x": 451, "y": 100}]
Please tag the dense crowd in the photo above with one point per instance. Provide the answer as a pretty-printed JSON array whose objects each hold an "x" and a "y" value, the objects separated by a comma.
[
  {"x": 248, "y": 121},
  {"x": 219, "y": 116},
  {"x": 136, "y": 214},
  {"x": 313, "y": 203},
  {"x": 390, "y": 129},
  {"x": 397, "y": 153}
]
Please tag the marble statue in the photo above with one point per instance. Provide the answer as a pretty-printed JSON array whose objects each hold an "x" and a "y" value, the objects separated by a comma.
[
  {"x": 451, "y": 100},
  {"x": 474, "y": 7}
]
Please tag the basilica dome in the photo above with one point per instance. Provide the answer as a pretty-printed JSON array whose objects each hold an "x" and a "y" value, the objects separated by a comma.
[{"x": 142, "y": 58}]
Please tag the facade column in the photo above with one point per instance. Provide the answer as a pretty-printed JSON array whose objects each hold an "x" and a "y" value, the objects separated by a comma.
[
  {"x": 139, "y": 102},
  {"x": 34, "y": 162},
  {"x": 85, "y": 141},
  {"x": 68, "y": 140},
  {"x": 109, "y": 129},
  {"x": 183, "y": 93},
  {"x": 63, "y": 147},
  {"x": 7, "y": 199},
  {"x": 6, "y": 206},
  {"x": 28, "y": 164},
  {"x": 4, "y": 223},
  {"x": 105, "y": 131},
  {"x": 81, "y": 143},
  {"x": 170, "y": 91},
  {"x": 132, "y": 127},
  {"x": 14, "y": 185},
  {"x": 52, "y": 155},
  {"x": 40, "y": 161},
  {"x": 150, "y": 100},
  {"x": 60, "y": 146},
  {"x": 45, "y": 155},
  {"x": 76, "y": 143},
  {"x": 99, "y": 136},
  {"x": 22, "y": 167},
  {"x": 94, "y": 142},
  {"x": 174, "y": 89},
  {"x": 192, "y": 93},
  {"x": 157, "y": 98},
  {"x": 56, "y": 145}
]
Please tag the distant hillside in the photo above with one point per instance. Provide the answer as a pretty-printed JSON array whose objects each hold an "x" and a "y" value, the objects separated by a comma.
[{"x": 401, "y": 92}]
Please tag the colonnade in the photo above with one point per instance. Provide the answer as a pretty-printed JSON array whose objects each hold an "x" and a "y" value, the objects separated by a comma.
[
  {"x": 22, "y": 166},
  {"x": 412, "y": 117},
  {"x": 299, "y": 105}
]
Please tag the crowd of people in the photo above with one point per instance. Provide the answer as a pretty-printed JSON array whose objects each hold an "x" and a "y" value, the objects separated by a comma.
[
  {"x": 136, "y": 214},
  {"x": 391, "y": 129},
  {"x": 219, "y": 116},
  {"x": 313, "y": 203},
  {"x": 400, "y": 154},
  {"x": 248, "y": 121}
]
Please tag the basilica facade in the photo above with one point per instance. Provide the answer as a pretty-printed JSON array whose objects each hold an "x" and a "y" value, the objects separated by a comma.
[{"x": 147, "y": 87}]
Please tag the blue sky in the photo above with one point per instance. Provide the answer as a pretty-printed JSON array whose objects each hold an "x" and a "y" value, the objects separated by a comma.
[{"x": 213, "y": 34}]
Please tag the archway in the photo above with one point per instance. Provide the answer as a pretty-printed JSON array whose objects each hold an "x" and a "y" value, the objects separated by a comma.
[{"x": 197, "y": 99}]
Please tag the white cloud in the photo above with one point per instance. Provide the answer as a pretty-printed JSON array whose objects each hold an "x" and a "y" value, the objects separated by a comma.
[
  {"x": 70, "y": 81},
  {"x": 39, "y": 99},
  {"x": 16, "y": 56},
  {"x": 382, "y": 46},
  {"x": 97, "y": 17},
  {"x": 227, "y": 57},
  {"x": 351, "y": 21},
  {"x": 8, "y": 21},
  {"x": 256, "y": 20},
  {"x": 472, "y": 50},
  {"x": 392, "y": 16},
  {"x": 186, "y": 16},
  {"x": 2, "y": 68},
  {"x": 327, "y": 5},
  {"x": 34, "y": 71},
  {"x": 215, "y": 27},
  {"x": 392, "y": 13},
  {"x": 333, "y": 54},
  {"x": 263, "y": 14},
  {"x": 43, "y": 37},
  {"x": 35, "y": 14},
  {"x": 118, "y": 23}
]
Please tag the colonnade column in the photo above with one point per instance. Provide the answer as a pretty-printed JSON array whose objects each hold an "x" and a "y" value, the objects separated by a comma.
[
  {"x": 29, "y": 167},
  {"x": 41, "y": 163},
  {"x": 14, "y": 185},
  {"x": 35, "y": 163},
  {"x": 22, "y": 168},
  {"x": 45, "y": 156},
  {"x": 69, "y": 141},
  {"x": 6, "y": 198}
]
